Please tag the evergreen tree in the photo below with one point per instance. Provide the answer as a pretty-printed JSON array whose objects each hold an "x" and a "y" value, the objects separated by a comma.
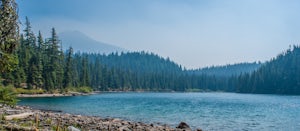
[
  {"x": 55, "y": 61},
  {"x": 39, "y": 50},
  {"x": 84, "y": 76},
  {"x": 32, "y": 60},
  {"x": 9, "y": 29},
  {"x": 68, "y": 74},
  {"x": 9, "y": 39}
]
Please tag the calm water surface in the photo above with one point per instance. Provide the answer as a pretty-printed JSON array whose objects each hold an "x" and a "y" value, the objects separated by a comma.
[{"x": 209, "y": 111}]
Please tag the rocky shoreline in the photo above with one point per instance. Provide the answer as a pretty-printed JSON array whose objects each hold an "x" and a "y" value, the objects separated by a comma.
[{"x": 45, "y": 120}]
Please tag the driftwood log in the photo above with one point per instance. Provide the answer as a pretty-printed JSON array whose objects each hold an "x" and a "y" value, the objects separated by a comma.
[{"x": 18, "y": 116}]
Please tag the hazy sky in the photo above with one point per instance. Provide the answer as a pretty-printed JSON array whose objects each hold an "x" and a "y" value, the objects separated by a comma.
[{"x": 193, "y": 33}]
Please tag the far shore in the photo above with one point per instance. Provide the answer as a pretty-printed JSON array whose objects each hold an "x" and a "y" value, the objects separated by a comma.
[
  {"x": 94, "y": 92},
  {"x": 55, "y": 94}
]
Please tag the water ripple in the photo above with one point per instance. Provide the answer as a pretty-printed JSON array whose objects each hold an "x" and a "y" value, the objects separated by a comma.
[{"x": 209, "y": 111}]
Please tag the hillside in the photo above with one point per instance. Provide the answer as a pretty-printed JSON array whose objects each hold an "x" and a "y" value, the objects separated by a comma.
[
  {"x": 140, "y": 62},
  {"x": 280, "y": 75}
]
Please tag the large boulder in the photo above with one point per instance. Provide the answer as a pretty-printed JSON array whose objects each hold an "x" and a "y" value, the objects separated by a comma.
[{"x": 184, "y": 126}]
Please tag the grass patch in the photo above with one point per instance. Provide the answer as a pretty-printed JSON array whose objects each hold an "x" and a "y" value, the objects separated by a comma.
[
  {"x": 83, "y": 89},
  {"x": 48, "y": 121},
  {"x": 194, "y": 90},
  {"x": 26, "y": 124},
  {"x": 29, "y": 91}
]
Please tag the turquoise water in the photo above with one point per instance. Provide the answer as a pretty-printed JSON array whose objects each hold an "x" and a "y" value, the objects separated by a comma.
[{"x": 209, "y": 111}]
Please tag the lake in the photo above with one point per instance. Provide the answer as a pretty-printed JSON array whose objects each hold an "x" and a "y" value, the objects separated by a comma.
[{"x": 208, "y": 111}]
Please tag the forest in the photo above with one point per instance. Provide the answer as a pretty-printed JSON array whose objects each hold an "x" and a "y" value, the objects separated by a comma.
[
  {"x": 43, "y": 65},
  {"x": 227, "y": 70}
]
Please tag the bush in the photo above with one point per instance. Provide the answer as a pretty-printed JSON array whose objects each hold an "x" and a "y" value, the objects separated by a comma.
[{"x": 8, "y": 96}]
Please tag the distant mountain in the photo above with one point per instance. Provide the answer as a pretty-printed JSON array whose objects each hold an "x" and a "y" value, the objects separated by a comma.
[
  {"x": 81, "y": 42},
  {"x": 227, "y": 70}
]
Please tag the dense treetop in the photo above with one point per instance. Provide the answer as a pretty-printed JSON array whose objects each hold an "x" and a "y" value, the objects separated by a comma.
[{"x": 227, "y": 70}]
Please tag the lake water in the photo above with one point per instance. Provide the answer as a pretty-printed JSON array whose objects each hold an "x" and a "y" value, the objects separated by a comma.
[{"x": 209, "y": 111}]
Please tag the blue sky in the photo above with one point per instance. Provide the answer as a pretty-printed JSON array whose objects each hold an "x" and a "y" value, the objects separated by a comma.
[{"x": 193, "y": 33}]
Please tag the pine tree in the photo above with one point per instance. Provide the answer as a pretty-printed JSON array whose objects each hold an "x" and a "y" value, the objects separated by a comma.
[
  {"x": 22, "y": 62},
  {"x": 85, "y": 78},
  {"x": 30, "y": 39},
  {"x": 30, "y": 58},
  {"x": 40, "y": 50},
  {"x": 55, "y": 68},
  {"x": 9, "y": 37},
  {"x": 68, "y": 74}
]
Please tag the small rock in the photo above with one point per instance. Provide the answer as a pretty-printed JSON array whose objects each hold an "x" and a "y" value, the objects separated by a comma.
[
  {"x": 124, "y": 128},
  {"x": 71, "y": 128},
  {"x": 199, "y": 129},
  {"x": 116, "y": 120}
]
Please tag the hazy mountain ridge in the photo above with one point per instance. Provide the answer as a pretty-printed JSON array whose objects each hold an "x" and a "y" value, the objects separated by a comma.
[{"x": 83, "y": 43}]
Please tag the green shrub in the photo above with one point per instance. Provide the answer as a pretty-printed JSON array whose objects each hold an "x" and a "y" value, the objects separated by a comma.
[
  {"x": 85, "y": 89},
  {"x": 48, "y": 121},
  {"x": 8, "y": 96}
]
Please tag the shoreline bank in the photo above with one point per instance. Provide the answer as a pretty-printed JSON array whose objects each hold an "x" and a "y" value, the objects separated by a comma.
[
  {"x": 55, "y": 94},
  {"x": 51, "y": 120},
  {"x": 95, "y": 92}
]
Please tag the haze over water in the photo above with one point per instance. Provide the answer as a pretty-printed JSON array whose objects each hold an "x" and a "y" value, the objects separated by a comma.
[{"x": 208, "y": 111}]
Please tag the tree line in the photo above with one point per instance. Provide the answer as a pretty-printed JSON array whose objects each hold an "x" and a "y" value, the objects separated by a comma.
[
  {"x": 227, "y": 70},
  {"x": 44, "y": 65}
]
